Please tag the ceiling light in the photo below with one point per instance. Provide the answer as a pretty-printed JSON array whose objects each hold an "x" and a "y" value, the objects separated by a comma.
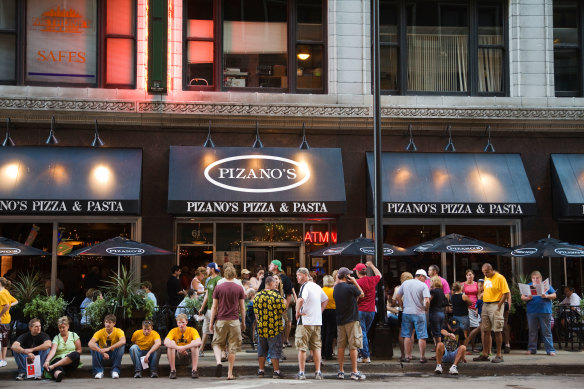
[
  {"x": 52, "y": 139},
  {"x": 97, "y": 142},
  {"x": 209, "y": 142},
  {"x": 411, "y": 146},
  {"x": 257, "y": 144},
  {"x": 8, "y": 140},
  {"x": 304, "y": 144},
  {"x": 450, "y": 146},
  {"x": 489, "y": 148}
]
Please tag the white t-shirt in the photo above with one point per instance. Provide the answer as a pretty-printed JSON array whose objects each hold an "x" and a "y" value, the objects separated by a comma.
[
  {"x": 414, "y": 292},
  {"x": 573, "y": 300},
  {"x": 313, "y": 297}
]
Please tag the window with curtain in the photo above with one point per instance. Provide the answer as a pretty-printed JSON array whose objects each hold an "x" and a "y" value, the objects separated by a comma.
[
  {"x": 567, "y": 52},
  {"x": 445, "y": 47},
  {"x": 245, "y": 44},
  {"x": 79, "y": 43}
]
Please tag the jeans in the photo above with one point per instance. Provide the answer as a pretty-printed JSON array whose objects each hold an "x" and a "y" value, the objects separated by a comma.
[
  {"x": 20, "y": 360},
  {"x": 136, "y": 354},
  {"x": 115, "y": 356},
  {"x": 365, "y": 319},
  {"x": 542, "y": 321},
  {"x": 436, "y": 319}
]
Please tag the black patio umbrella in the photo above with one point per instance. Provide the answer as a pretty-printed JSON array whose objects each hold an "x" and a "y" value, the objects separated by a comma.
[
  {"x": 547, "y": 247},
  {"x": 120, "y": 247},
  {"x": 11, "y": 248},
  {"x": 361, "y": 246},
  {"x": 457, "y": 244}
]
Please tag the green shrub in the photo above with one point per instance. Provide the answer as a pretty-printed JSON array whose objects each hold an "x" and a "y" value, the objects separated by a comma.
[{"x": 47, "y": 308}]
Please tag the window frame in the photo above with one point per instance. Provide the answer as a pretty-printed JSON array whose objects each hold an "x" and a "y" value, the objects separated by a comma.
[
  {"x": 292, "y": 61},
  {"x": 572, "y": 46},
  {"x": 473, "y": 50}
]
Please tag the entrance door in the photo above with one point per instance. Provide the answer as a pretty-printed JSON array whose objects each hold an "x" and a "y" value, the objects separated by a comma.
[{"x": 263, "y": 254}]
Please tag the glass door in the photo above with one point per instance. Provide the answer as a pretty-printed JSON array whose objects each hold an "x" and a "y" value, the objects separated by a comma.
[{"x": 262, "y": 254}]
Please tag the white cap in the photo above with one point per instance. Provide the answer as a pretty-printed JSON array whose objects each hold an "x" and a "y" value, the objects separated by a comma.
[{"x": 421, "y": 272}]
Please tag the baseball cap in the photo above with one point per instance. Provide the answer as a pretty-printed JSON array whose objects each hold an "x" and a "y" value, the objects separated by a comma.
[
  {"x": 421, "y": 272},
  {"x": 343, "y": 272},
  {"x": 213, "y": 265},
  {"x": 245, "y": 271},
  {"x": 359, "y": 267},
  {"x": 481, "y": 280},
  {"x": 277, "y": 263}
]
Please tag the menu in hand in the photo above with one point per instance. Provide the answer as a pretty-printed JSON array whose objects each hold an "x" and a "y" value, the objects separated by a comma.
[{"x": 536, "y": 289}]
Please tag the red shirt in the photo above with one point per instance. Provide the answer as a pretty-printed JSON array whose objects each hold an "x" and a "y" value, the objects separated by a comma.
[{"x": 368, "y": 284}]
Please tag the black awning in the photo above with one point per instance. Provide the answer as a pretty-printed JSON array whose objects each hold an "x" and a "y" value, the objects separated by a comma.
[
  {"x": 453, "y": 184},
  {"x": 568, "y": 185},
  {"x": 228, "y": 181},
  {"x": 48, "y": 180}
]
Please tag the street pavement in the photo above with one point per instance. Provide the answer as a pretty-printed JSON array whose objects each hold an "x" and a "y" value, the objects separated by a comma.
[{"x": 516, "y": 363}]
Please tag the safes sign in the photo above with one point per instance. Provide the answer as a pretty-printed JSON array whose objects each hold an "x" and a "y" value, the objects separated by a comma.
[{"x": 233, "y": 180}]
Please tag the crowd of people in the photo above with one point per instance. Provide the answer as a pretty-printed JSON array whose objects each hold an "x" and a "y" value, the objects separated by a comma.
[{"x": 332, "y": 314}]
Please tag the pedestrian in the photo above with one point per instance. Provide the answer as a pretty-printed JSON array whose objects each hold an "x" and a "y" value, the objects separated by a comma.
[
  {"x": 479, "y": 307},
  {"x": 414, "y": 298},
  {"x": 309, "y": 307},
  {"x": 147, "y": 288},
  {"x": 403, "y": 277},
  {"x": 436, "y": 312},
  {"x": 197, "y": 282},
  {"x": 107, "y": 343},
  {"x": 173, "y": 287},
  {"x": 255, "y": 281},
  {"x": 6, "y": 302},
  {"x": 65, "y": 351},
  {"x": 496, "y": 292},
  {"x": 213, "y": 276},
  {"x": 368, "y": 285},
  {"x": 275, "y": 268},
  {"x": 470, "y": 288},
  {"x": 539, "y": 316},
  {"x": 268, "y": 307},
  {"x": 146, "y": 344},
  {"x": 452, "y": 348},
  {"x": 228, "y": 306},
  {"x": 434, "y": 270},
  {"x": 346, "y": 293},
  {"x": 329, "y": 321},
  {"x": 460, "y": 304},
  {"x": 30, "y": 345},
  {"x": 182, "y": 342}
]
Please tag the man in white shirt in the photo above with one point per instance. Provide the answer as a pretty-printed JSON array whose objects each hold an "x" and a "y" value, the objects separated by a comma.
[
  {"x": 311, "y": 302},
  {"x": 571, "y": 311}
]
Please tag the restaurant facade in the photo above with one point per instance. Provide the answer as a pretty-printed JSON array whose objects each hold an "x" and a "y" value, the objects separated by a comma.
[{"x": 157, "y": 102}]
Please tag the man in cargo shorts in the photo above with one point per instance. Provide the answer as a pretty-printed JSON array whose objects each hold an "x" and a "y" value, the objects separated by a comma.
[
  {"x": 496, "y": 292},
  {"x": 346, "y": 293},
  {"x": 213, "y": 277}
]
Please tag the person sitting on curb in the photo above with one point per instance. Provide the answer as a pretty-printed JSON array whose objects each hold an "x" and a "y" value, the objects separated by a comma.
[
  {"x": 146, "y": 344},
  {"x": 27, "y": 346},
  {"x": 452, "y": 348},
  {"x": 65, "y": 351},
  {"x": 180, "y": 342},
  {"x": 107, "y": 343}
]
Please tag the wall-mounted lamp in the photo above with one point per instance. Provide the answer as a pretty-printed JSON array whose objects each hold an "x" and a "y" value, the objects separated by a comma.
[
  {"x": 8, "y": 140},
  {"x": 257, "y": 144},
  {"x": 411, "y": 146},
  {"x": 489, "y": 148},
  {"x": 304, "y": 144},
  {"x": 97, "y": 142},
  {"x": 303, "y": 56},
  {"x": 450, "y": 145},
  {"x": 209, "y": 142},
  {"x": 52, "y": 139}
]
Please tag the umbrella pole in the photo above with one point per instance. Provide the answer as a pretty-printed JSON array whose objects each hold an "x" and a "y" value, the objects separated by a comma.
[
  {"x": 453, "y": 267},
  {"x": 118, "y": 265},
  {"x": 550, "y": 266},
  {"x": 565, "y": 272}
]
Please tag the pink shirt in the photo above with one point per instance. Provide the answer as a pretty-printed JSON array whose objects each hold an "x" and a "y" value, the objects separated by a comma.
[
  {"x": 445, "y": 286},
  {"x": 472, "y": 292}
]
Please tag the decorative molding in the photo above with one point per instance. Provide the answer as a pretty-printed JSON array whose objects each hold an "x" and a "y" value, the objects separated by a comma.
[
  {"x": 69, "y": 105},
  {"x": 484, "y": 113}
]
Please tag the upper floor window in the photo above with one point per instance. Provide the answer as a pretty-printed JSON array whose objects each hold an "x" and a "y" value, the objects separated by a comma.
[
  {"x": 567, "y": 48},
  {"x": 443, "y": 47},
  {"x": 261, "y": 45},
  {"x": 82, "y": 43}
]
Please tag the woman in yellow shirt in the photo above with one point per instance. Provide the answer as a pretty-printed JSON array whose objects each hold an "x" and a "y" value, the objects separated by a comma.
[
  {"x": 6, "y": 302},
  {"x": 329, "y": 320}
]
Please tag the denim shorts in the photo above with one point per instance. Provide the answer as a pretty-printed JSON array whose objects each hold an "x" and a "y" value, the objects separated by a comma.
[
  {"x": 271, "y": 346},
  {"x": 462, "y": 322},
  {"x": 449, "y": 356},
  {"x": 411, "y": 321}
]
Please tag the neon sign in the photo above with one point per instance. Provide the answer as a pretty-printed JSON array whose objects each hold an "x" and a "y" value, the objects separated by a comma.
[{"x": 320, "y": 237}]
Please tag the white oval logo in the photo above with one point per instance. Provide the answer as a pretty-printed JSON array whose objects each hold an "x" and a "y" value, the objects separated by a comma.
[
  {"x": 458, "y": 248},
  {"x": 371, "y": 250},
  {"x": 523, "y": 252},
  {"x": 334, "y": 251},
  {"x": 124, "y": 251},
  {"x": 423, "y": 247},
  {"x": 569, "y": 252},
  {"x": 9, "y": 251},
  {"x": 257, "y": 179}
]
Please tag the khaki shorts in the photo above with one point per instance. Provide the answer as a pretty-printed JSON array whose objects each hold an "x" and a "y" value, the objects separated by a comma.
[
  {"x": 206, "y": 323},
  {"x": 350, "y": 334},
  {"x": 228, "y": 335},
  {"x": 308, "y": 338},
  {"x": 492, "y": 318}
]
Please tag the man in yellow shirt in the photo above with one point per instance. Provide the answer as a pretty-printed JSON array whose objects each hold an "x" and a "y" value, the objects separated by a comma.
[
  {"x": 6, "y": 302},
  {"x": 146, "y": 344},
  {"x": 495, "y": 293},
  {"x": 182, "y": 341},
  {"x": 107, "y": 343}
]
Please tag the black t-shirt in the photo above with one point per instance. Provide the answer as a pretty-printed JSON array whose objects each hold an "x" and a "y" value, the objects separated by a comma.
[
  {"x": 28, "y": 341},
  {"x": 345, "y": 296},
  {"x": 451, "y": 325},
  {"x": 438, "y": 299},
  {"x": 172, "y": 288},
  {"x": 286, "y": 284},
  {"x": 459, "y": 306}
]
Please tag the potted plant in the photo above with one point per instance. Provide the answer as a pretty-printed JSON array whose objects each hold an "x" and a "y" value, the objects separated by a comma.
[
  {"x": 48, "y": 309},
  {"x": 25, "y": 288}
]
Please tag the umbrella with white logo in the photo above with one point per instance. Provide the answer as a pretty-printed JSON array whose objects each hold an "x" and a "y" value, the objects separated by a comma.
[
  {"x": 457, "y": 244},
  {"x": 361, "y": 246},
  {"x": 547, "y": 247},
  {"x": 11, "y": 248},
  {"x": 120, "y": 247}
]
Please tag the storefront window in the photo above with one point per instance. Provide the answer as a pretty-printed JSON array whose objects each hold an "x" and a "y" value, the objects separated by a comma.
[
  {"x": 7, "y": 41},
  {"x": 272, "y": 232},
  {"x": 195, "y": 233},
  {"x": 567, "y": 53},
  {"x": 38, "y": 235},
  {"x": 200, "y": 43}
]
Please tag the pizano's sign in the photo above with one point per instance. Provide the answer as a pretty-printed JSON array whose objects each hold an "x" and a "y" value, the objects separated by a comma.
[
  {"x": 458, "y": 209},
  {"x": 69, "y": 207}
]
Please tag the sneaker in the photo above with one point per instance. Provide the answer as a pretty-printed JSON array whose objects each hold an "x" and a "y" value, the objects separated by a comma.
[
  {"x": 366, "y": 360},
  {"x": 277, "y": 374},
  {"x": 301, "y": 376},
  {"x": 481, "y": 358},
  {"x": 201, "y": 353},
  {"x": 438, "y": 369},
  {"x": 115, "y": 375},
  {"x": 3, "y": 363},
  {"x": 99, "y": 375},
  {"x": 172, "y": 375},
  {"x": 261, "y": 373},
  {"x": 219, "y": 370},
  {"x": 497, "y": 360},
  {"x": 341, "y": 375},
  {"x": 507, "y": 349},
  {"x": 359, "y": 360},
  {"x": 453, "y": 370},
  {"x": 154, "y": 374},
  {"x": 318, "y": 375},
  {"x": 358, "y": 376},
  {"x": 20, "y": 377},
  {"x": 194, "y": 374},
  {"x": 137, "y": 374}
]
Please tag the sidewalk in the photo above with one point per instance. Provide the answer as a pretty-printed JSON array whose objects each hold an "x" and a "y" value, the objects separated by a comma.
[{"x": 516, "y": 363}]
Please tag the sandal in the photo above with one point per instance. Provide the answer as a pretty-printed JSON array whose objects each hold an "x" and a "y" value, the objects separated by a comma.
[
  {"x": 481, "y": 358},
  {"x": 404, "y": 359},
  {"x": 423, "y": 360}
]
